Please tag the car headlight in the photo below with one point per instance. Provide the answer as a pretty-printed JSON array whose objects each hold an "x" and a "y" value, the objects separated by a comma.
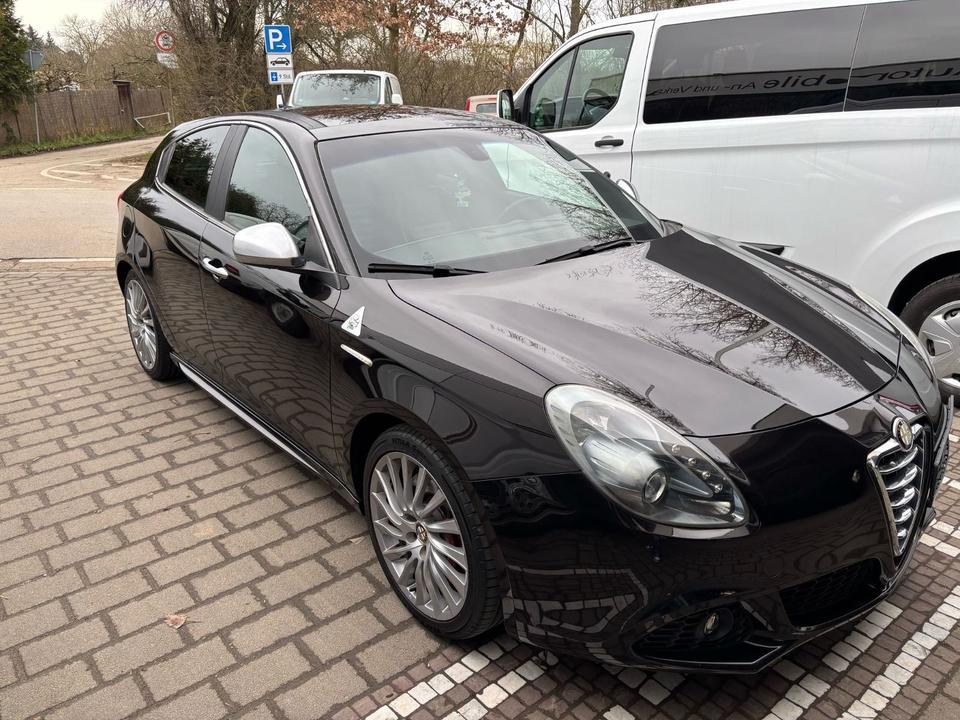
[
  {"x": 901, "y": 326},
  {"x": 640, "y": 463}
]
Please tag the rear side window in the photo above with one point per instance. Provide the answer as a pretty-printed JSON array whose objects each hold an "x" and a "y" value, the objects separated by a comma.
[
  {"x": 191, "y": 165},
  {"x": 759, "y": 65},
  {"x": 908, "y": 56}
]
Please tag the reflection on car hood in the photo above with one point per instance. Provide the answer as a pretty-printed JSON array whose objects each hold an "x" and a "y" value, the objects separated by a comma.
[{"x": 702, "y": 333}]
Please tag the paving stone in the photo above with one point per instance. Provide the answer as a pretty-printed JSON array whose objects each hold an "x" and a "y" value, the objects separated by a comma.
[
  {"x": 200, "y": 704},
  {"x": 263, "y": 632},
  {"x": 339, "y": 636},
  {"x": 318, "y": 694},
  {"x": 63, "y": 645},
  {"x": 112, "y": 702},
  {"x": 264, "y": 674},
  {"x": 136, "y": 650},
  {"x": 150, "y": 609},
  {"x": 44, "y": 691},
  {"x": 187, "y": 668},
  {"x": 107, "y": 594},
  {"x": 30, "y": 624}
]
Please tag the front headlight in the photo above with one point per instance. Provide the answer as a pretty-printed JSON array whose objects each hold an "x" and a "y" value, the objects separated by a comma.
[
  {"x": 900, "y": 325},
  {"x": 641, "y": 463}
]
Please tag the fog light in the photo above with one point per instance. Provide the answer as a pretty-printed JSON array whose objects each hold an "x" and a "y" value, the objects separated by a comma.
[{"x": 711, "y": 624}]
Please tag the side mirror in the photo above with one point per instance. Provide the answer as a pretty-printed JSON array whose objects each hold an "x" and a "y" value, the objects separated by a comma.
[
  {"x": 628, "y": 189},
  {"x": 279, "y": 101},
  {"x": 396, "y": 99},
  {"x": 267, "y": 245},
  {"x": 505, "y": 104}
]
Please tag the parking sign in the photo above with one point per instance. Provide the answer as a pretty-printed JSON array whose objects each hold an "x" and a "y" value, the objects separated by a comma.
[{"x": 276, "y": 39}]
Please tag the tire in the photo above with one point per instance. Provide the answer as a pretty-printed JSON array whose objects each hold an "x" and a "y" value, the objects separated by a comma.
[
  {"x": 480, "y": 610},
  {"x": 934, "y": 314},
  {"x": 142, "y": 325}
]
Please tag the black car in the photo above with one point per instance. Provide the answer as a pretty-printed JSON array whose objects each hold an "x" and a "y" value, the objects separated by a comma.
[{"x": 625, "y": 439}]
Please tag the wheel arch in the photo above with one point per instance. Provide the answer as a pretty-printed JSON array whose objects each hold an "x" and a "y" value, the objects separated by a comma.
[
  {"x": 927, "y": 272},
  {"x": 123, "y": 269}
]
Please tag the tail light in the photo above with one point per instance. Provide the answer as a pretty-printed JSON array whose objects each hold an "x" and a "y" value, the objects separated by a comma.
[
  {"x": 467, "y": 108},
  {"x": 119, "y": 195}
]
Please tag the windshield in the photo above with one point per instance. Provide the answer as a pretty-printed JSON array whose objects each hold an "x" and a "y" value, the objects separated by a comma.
[
  {"x": 482, "y": 199},
  {"x": 336, "y": 89}
]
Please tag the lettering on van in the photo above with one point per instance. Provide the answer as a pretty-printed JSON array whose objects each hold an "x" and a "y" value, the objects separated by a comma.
[{"x": 748, "y": 83}]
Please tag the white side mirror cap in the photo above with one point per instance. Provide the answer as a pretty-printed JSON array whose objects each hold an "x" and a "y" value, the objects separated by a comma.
[
  {"x": 628, "y": 189},
  {"x": 266, "y": 245},
  {"x": 397, "y": 99},
  {"x": 279, "y": 101}
]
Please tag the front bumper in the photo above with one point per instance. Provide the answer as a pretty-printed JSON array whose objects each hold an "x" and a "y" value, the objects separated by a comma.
[{"x": 585, "y": 581}]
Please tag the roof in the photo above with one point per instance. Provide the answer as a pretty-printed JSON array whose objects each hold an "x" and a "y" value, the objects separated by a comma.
[{"x": 350, "y": 120}]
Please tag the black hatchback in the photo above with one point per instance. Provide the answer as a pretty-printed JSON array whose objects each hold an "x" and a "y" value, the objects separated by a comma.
[{"x": 622, "y": 438}]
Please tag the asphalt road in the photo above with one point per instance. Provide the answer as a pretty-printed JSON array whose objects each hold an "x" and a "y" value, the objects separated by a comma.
[{"x": 64, "y": 204}]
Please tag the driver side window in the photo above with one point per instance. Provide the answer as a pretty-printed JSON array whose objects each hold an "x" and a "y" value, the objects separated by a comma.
[
  {"x": 264, "y": 188},
  {"x": 596, "y": 80}
]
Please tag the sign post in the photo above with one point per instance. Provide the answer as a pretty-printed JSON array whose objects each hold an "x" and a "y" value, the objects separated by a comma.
[
  {"x": 33, "y": 58},
  {"x": 165, "y": 42},
  {"x": 279, "y": 50}
]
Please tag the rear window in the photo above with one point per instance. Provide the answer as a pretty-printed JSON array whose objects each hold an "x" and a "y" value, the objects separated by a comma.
[
  {"x": 759, "y": 65},
  {"x": 487, "y": 108},
  {"x": 908, "y": 56},
  {"x": 192, "y": 162}
]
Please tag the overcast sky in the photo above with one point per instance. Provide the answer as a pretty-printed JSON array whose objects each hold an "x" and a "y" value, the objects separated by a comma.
[{"x": 45, "y": 15}]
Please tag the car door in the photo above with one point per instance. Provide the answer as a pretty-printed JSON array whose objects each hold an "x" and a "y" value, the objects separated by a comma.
[
  {"x": 270, "y": 326},
  {"x": 170, "y": 220},
  {"x": 588, "y": 98}
]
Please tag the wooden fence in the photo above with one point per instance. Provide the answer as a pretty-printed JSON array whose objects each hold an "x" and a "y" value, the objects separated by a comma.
[{"x": 85, "y": 112}]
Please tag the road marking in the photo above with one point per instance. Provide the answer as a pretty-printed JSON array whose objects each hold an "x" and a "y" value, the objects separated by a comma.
[{"x": 40, "y": 261}]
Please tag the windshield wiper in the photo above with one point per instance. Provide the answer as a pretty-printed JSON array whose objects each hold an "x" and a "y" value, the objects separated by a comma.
[
  {"x": 591, "y": 249},
  {"x": 435, "y": 270}
]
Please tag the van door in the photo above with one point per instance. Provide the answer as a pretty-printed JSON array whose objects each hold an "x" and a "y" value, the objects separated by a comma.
[{"x": 588, "y": 98}]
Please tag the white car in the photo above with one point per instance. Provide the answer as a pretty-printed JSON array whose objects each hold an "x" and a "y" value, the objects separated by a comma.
[
  {"x": 344, "y": 87},
  {"x": 827, "y": 131}
]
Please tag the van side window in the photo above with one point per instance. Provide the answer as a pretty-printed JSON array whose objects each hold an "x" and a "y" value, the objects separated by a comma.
[
  {"x": 758, "y": 65},
  {"x": 908, "y": 56},
  {"x": 546, "y": 94},
  {"x": 596, "y": 80},
  {"x": 191, "y": 165}
]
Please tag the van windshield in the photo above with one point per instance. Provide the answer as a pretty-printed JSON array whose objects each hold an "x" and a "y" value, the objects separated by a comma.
[
  {"x": 336, "y": 89},
  {"x": 484, "y": 199}
]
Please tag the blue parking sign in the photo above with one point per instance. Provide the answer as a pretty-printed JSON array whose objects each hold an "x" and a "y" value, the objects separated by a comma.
[
  {"x": 276, "y": 39},
  {"x": 274, "y": 76}
]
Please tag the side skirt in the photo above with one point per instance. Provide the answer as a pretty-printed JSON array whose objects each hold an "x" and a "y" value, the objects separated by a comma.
[{"x": 221, "y": 397}]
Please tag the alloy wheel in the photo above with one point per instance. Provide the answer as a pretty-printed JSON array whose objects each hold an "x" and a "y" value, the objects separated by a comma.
[
  {"x": 140, "y": 322},
  {"x": 940, "y": 335},
  {"x": 418, "y": 535}
]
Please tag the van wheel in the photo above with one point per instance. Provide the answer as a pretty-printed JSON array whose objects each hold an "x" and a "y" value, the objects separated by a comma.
[
  {"x": 428, "y": 536},
  {"x": 934, "y": 314}
]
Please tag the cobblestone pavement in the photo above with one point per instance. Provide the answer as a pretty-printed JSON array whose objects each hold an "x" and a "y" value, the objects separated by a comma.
[{"x": 123, "y": 501}]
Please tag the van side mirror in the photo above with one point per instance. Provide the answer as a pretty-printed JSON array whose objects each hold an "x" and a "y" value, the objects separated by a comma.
[
  {"x": 279, "y": 101},
  {"x": 396, "y": 99},
  {"x": 267, "y": 245},
  {"x": 628, "y": 189},
  {"x": 505, "y": 104}
]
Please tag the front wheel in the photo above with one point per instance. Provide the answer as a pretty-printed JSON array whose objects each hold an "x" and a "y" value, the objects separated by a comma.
[
  {"x": 934, "y": 315},
  {"x": 428, "y": 535}
]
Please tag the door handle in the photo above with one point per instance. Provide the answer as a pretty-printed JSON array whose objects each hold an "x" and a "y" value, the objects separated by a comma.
[
  {"x": 608, "y": 142},
  {"x": 218, "y": 271}
]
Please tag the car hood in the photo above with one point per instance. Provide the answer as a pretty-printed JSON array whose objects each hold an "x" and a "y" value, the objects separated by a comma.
[{"x": 708, "y": 336}]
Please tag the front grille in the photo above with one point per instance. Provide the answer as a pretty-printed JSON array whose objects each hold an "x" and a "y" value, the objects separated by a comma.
[
  {"x": 900, "y": 474},
  {"x": 830, "y": 596}
]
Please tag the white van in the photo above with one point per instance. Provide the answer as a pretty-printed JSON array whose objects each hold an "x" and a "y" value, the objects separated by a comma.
[
  {"x": 344, "y": 87},
  {"x": 827, "y": 131}
]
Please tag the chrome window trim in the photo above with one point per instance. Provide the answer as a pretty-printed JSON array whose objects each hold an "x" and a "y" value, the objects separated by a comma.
[{"x": 290, "y": 156}]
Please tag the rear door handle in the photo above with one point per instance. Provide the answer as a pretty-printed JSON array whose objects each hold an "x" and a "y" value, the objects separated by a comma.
[
  {"x": 216, "y": 270},
  {"x": 608, "y": 142}
]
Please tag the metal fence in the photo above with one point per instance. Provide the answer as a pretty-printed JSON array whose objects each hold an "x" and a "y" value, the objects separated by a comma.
[{"x": 86, "y": 112}]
